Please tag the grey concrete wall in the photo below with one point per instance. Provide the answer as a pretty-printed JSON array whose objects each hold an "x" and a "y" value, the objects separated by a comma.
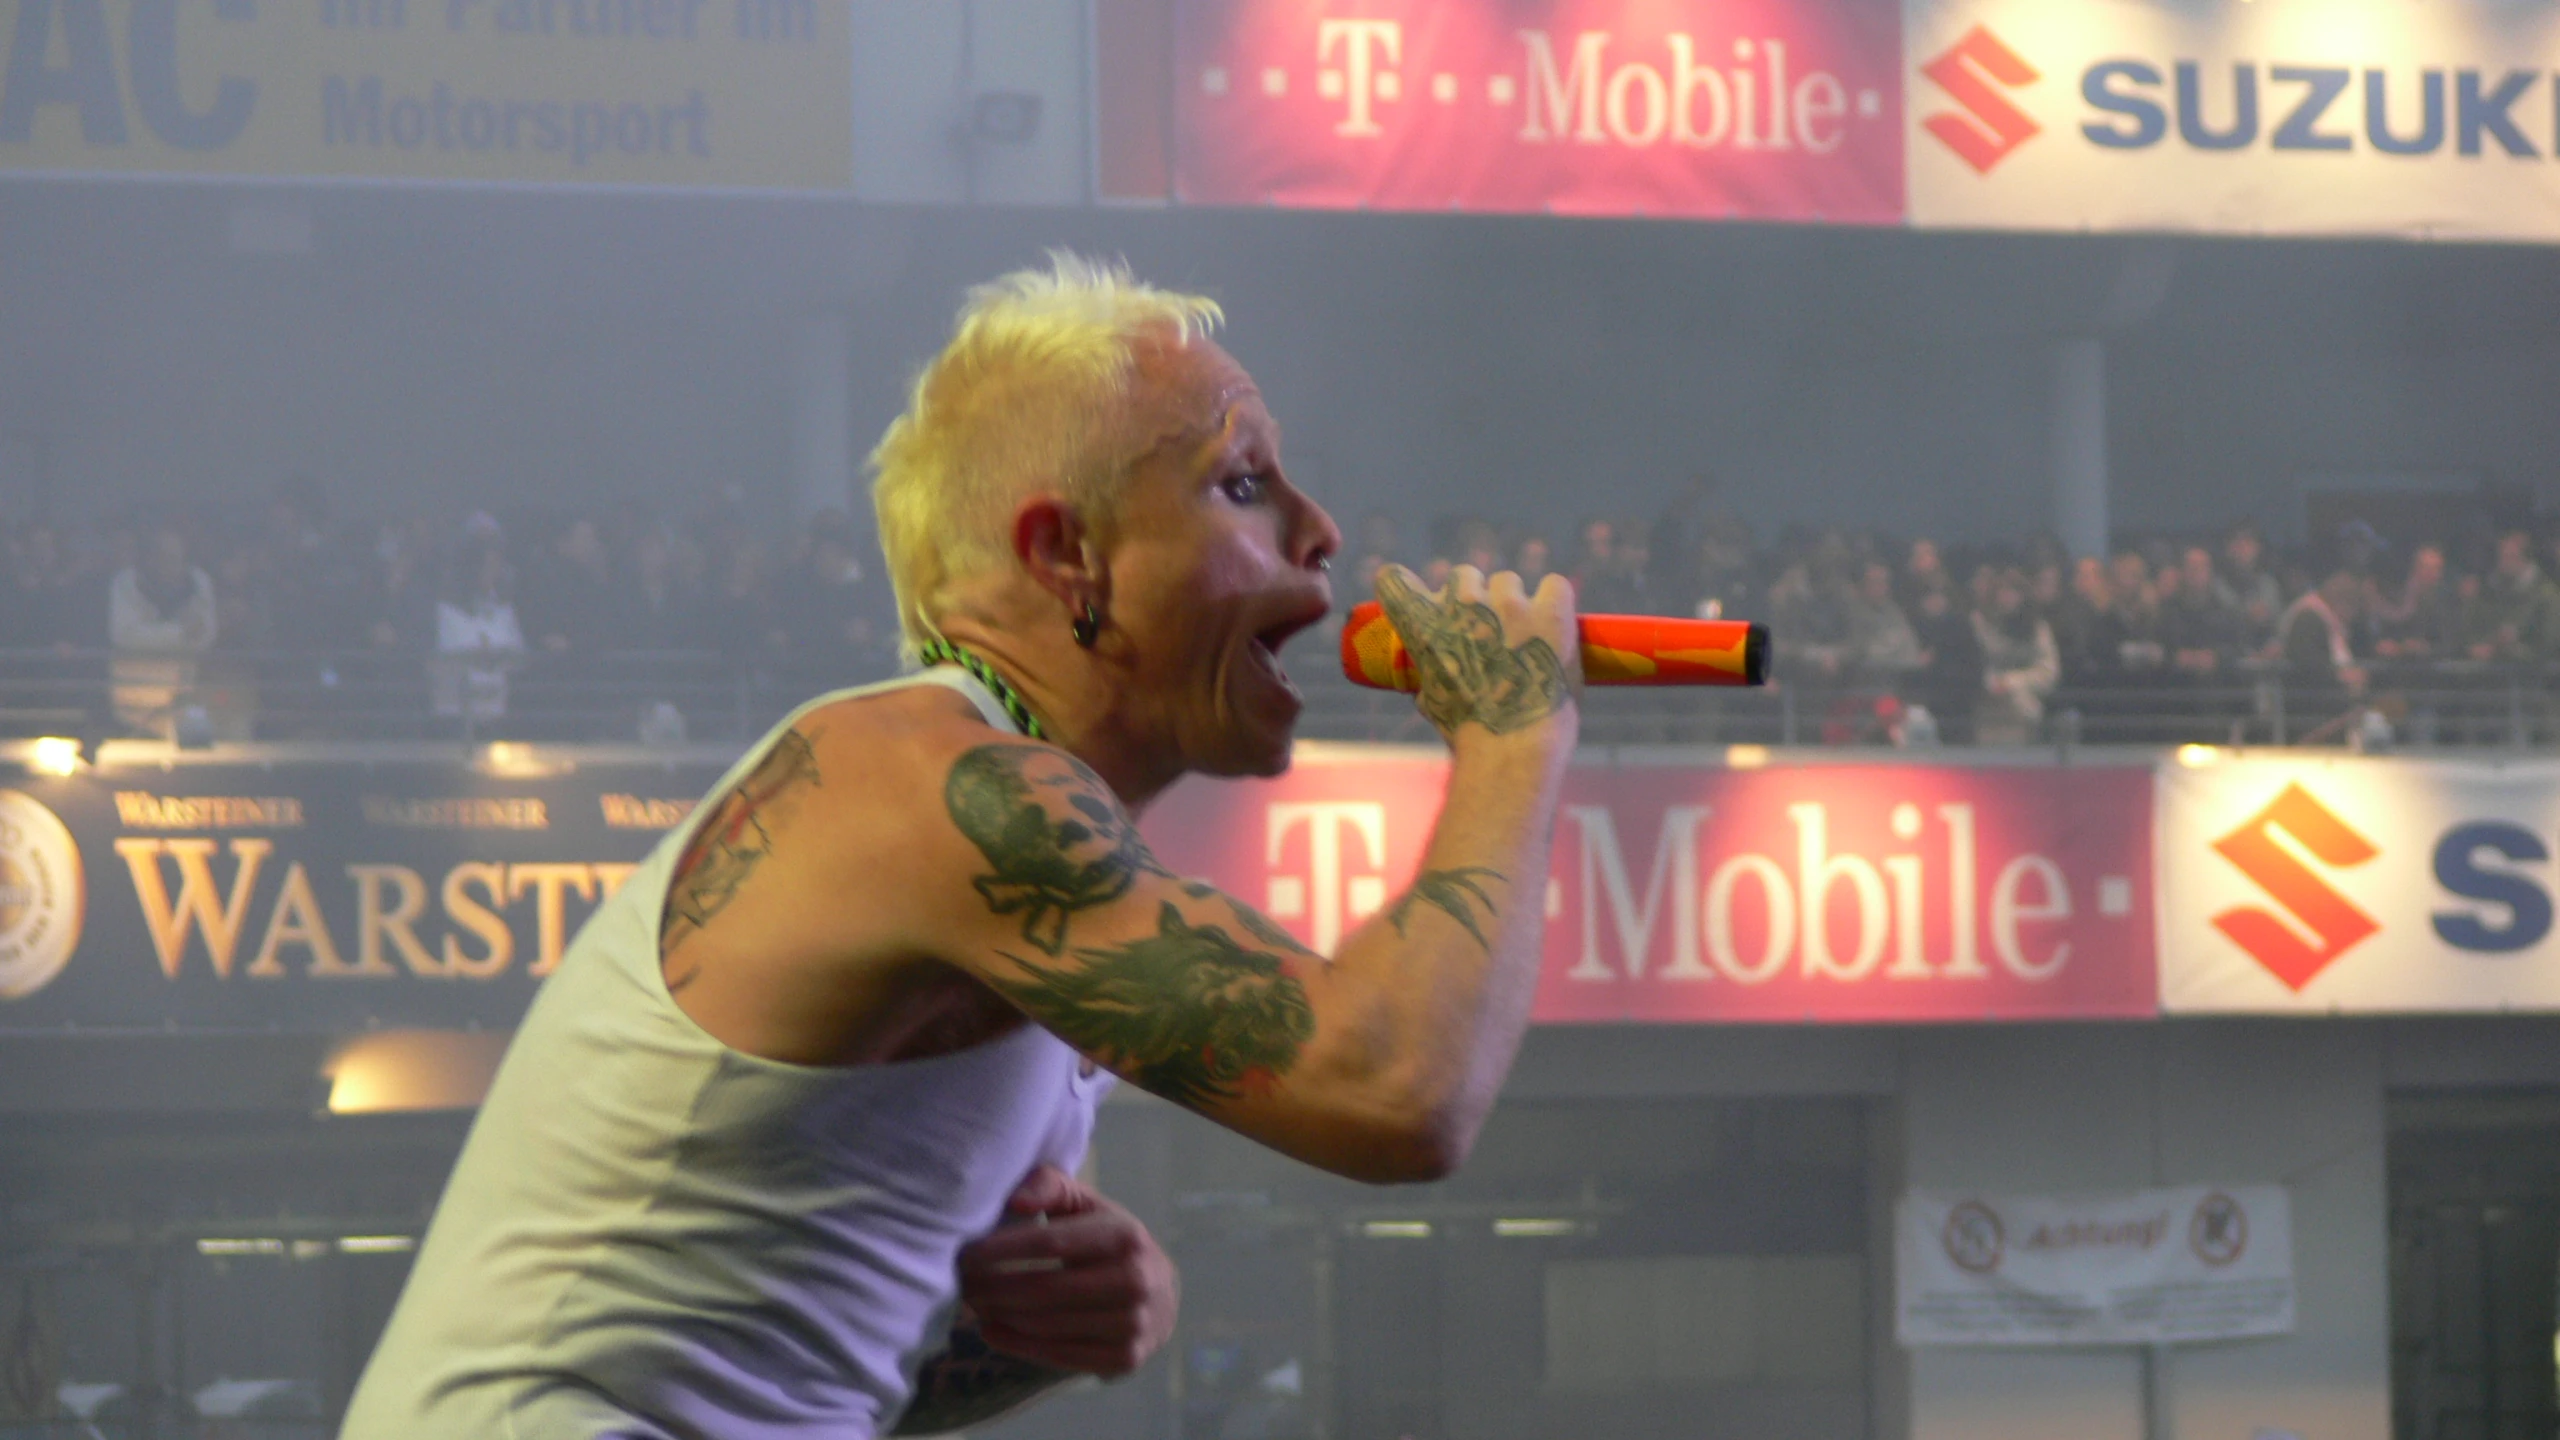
[{"x": 2105, "y": 1107}]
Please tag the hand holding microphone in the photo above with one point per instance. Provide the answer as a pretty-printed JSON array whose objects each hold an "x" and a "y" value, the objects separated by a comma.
[{"x": 1616, "y": 650}]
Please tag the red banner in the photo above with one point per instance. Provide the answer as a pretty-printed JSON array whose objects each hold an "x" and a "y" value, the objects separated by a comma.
[
  {"x": 1748, "y": 109},
  {"x": 1692, "y": 893}
]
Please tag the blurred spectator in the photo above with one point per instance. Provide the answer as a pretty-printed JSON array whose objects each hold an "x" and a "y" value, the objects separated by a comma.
[
  {"x": 1534, "y": 560},
  {"x": 661, "y": 606},
  {"x": 1808, "y": 628},
  {"x": 1724, "y": 584},
  {"x": 42, "y": 601},
  {"x": 2423, "y": 619},
  {"x": 2516, "y": 617},
  {"x": 478, "y": 638},
  {"x": 293, "y": 582},
  {"x": 1951, "y": 673},
  {"x": 1602, "y": 584},
  {"x": 2312, "y": 643},
  {"x": 736, "y": 608},
  {"x": 393, "y": 607},
  {"x": 2248, "y": 588},
  {"x": 2139, "y": 651},
  {"x": 1884, "y": 647},
  {"x": 1480, "y": 545},
  {"x": 2201, "y": 630},
  {"x": 833, "y": 608},
  {"x": 2020, "y": 665},
  {"x": 2087, "y": 630},
  {"x": 1924, "y": 569},
  {"x": 568, "y": 603},
  {"x": 160, "y": 617}
]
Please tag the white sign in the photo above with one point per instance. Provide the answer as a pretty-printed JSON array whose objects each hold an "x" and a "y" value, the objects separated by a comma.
[
  {"x": 2197, "y": 1262},
  {"x": 2358, "y": 885},
  {"x": 2345, "y": 117}
]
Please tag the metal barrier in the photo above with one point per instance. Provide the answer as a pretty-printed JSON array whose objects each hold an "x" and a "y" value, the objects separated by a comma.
[{"x": 660, "y": 697}]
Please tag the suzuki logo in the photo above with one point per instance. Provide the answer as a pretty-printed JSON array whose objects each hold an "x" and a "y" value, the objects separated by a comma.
[
  {"x": 2308, "y": 900},
  {"x": 1990, "y": 126}
]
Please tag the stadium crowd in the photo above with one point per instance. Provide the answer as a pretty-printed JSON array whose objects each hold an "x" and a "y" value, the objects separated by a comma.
[{"x": 571, "y": 626}]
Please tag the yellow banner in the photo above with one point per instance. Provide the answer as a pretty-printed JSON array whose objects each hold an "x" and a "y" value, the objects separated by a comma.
[{"x": 701, "y": 93}]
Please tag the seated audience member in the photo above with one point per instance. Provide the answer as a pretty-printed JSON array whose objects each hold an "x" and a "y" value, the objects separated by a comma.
[
  {"x": 1724, "y": 583},
  {"x": 1605, "y": 578},
  {"x": 1884, "y": 648},
  {"x": 1811, "y": 633},
  {"x": 1923, "y": 568},
  {"x": 2421, "y": 619},
  {"x": 478, "y": 638},
  {"x": 837, "y": 610},
  {"x": 2247, "y": 586},
  {"x": 2200, "y": 629},
  {"x": 2088, "y": 631},
  {"x": 1951, "y": 665},
  {"x": 42, "y": 600},
  {"x": 1533, "y": 559},
  {"x": 293, "y": 580},
  {"x": 568, "y": 597},
  {"x": 160, "y": 617},
  {"x": 393, "y": 608},
  {"x": 737, "y": 609},
  {"x": 2516, "y": 618},
  {"x": 2020, "y": 665},
  {"x": 2139, "y": 651},
  {"x": 661, "y": 606},
  {"x": 2314, "y": 649}
]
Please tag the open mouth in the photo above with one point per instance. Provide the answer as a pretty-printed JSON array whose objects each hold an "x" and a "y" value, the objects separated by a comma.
[{"x": 1266, "y": 649}]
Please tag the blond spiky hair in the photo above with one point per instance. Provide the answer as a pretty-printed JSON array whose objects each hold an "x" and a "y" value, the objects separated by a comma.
[{"x": 1027, "y": 397}]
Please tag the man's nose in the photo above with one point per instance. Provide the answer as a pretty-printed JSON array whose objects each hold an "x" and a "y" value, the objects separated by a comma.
[{"x": 1313, "y": 536}]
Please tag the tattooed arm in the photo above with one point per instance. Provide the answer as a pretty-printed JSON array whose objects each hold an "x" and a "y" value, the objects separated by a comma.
[{"x": 1379, "y": 1063}]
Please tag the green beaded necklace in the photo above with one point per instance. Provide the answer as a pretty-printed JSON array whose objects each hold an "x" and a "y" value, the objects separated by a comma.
[{"x": 943, "y": 652}]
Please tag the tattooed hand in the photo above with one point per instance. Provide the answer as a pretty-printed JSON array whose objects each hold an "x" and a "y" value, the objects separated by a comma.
[{"x": 1488, "y": 653}]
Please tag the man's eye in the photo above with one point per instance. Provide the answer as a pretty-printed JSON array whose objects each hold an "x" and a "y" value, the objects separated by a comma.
[{"x": 1243, "y": 489}]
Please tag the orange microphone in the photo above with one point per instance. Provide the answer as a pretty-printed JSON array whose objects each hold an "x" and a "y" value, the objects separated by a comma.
[{"x": 1616, "y": 650}]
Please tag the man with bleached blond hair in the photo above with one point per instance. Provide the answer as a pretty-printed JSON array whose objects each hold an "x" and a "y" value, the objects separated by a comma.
[{"x": 784, "y": 1147}]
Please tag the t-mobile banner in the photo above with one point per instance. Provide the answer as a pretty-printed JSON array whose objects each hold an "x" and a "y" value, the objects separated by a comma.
[
  {"x": 1698, "y": 893},
  {"x": 1750, "y": 109}
]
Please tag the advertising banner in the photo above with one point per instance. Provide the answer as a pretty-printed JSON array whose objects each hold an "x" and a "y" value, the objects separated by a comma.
[
  {"x": 693, "y": 93},
  {"x": 2150, "y": 1267},
  {"x": 1698, "y": 893},
  {"x": 2358, "y": 885},
  {"x": 1750, "y": 109},
  {"x": 436, "y": 893},
  {"x": 313, "y": 897},
  {"x": 2352, "y": 117}
]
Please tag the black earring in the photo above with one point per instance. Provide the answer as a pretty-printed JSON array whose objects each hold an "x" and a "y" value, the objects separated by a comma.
[{"x": 1087, "y": 627}]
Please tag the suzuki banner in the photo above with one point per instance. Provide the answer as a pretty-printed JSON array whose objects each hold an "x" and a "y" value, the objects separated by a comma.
[
  {"x": 689, "y": 93},
  {"x": 1687, "y": 892},
  {"x": 2345, "y": 117},
  {"x": 1750, "y": 109},
  {"x": 2150, "y": 1267},
  {"x": 2358, "y": 885}
]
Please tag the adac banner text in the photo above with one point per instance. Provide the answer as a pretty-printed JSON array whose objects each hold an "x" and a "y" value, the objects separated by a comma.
[{"x": 691, "y": 93}]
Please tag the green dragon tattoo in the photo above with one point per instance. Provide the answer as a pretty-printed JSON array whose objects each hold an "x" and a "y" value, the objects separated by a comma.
[
  {"x": 1450, "y": 892},
  {"x": 1468, "y": 673},
  {"x": 1187, "y": 1013},
  {"x": 1055, "y": 838}
]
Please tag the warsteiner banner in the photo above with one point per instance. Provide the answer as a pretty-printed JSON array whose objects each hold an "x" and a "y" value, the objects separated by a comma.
[
  {"x": 315, "y": 896},
  {"x": 752, "y": 94}
]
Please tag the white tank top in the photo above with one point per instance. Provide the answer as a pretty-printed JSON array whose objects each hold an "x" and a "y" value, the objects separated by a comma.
[{"x": 650, "y": 1234}]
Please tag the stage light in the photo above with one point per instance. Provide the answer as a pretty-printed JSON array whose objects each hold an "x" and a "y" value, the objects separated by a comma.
[
  {"x": 377, "y": 1244},
  {"x": 56, "y": 755},
  {"x": 1536, "y": 1229},
  {"x": 2197, "y": 757},
  {"x": 227, "y": 1247},
  {"x": 1396, "y": 1229},
  {"x": 1745, "y": 757}
]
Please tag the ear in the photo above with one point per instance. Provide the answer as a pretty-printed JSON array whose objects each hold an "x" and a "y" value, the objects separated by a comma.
[{"x": 1059, "y": 551}]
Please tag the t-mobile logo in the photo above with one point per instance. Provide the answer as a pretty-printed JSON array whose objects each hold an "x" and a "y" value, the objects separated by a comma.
[{"x": 1324, "y": 895}]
